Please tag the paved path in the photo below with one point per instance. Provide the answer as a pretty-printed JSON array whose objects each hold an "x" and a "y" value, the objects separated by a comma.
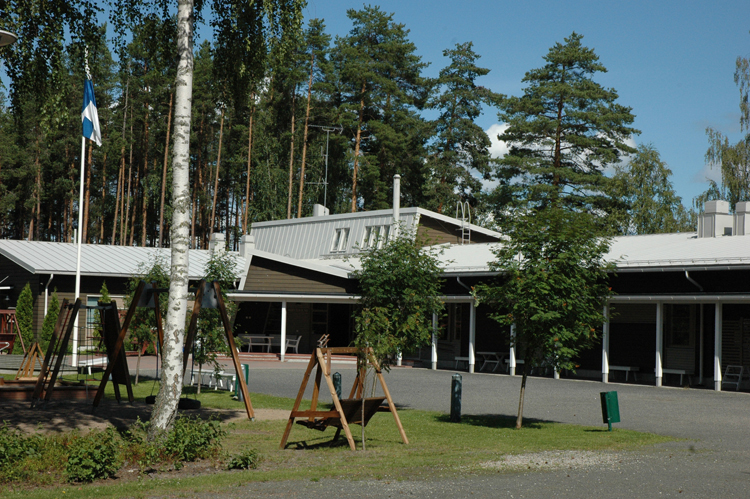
[{"x": 714, "y": 461}]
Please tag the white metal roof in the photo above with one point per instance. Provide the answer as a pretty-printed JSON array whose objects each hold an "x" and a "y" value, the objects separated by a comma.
[
  {"x": 40, "y": 257},
  {"x": 312, "y": 237},
  {"x": 645, "y": 252}
]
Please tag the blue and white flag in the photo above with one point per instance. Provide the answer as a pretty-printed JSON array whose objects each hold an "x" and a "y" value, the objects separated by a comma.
[{"x": 89, "y": 115}]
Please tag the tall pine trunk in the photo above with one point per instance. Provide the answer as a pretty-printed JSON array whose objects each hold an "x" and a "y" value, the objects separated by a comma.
[
  {"x": 304, "y": 138},
  {"x": 356, "y": 149},
  {"x": 144, "y": 186},
  {"x": 216, "y": 179},
  {"x": 165, "y": 407},
  {"x": 249, "y": 165},
  {"x": 291, "y": 162},
  {"x": 164, "y": 174}
]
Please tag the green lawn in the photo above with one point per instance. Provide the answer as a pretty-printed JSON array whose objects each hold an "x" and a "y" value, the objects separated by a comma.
[{"x": 437, "y": 448}]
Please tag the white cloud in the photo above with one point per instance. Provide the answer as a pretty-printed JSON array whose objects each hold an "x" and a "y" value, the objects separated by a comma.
[
  {"x": 707, "y": 173},
  {"x": 498, "y": 149}
]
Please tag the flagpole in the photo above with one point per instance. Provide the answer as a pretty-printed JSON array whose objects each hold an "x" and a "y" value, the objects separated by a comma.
[{"x": 78, "y": 258}]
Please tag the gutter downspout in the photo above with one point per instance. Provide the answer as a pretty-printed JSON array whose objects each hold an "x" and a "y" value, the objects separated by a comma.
[
  {"x": 46, "y": 293},
  {"x": 692, "y": 281}
]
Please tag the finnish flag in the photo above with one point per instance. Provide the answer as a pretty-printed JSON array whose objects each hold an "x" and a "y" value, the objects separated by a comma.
[{"x": 89, "y": 115}]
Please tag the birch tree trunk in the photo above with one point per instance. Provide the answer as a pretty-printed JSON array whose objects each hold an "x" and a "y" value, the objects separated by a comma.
[{"x": 165, "y": 407}]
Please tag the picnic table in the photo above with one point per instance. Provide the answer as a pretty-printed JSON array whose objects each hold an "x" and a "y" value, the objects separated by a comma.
[{"x": 490, "y": 358}]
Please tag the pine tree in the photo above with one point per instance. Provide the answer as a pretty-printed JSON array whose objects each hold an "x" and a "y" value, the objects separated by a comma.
[
  {"x": 563, "y": 132},
  {"x": 382, "y": 91},
  {"x": 460, "y": 148}
]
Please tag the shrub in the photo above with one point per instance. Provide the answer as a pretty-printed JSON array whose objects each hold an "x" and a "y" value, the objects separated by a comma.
[
  {"x": 245, "y": 460},
  {"x": 94, "y": 456},
  {"x": 194, "y": 438},
  {"x": 14, "y": 446}
]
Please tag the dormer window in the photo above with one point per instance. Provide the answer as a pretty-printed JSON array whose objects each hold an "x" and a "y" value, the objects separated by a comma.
[
  {"x": 340, "y": 240},
  {"x": 375, "y": 236}
]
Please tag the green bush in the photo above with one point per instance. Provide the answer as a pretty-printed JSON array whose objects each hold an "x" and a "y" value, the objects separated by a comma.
[
  {"x": 245, "y": 460},
  {"x": 94, "y": 456},
  {"x": 194, "y": 438},
  {"x": 15, "y": 447}
]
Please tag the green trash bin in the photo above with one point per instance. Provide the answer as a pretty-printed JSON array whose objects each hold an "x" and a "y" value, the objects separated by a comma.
[{"x": 610, "y": 408}]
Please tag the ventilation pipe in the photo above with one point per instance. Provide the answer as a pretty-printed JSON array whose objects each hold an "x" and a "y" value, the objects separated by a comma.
[{"x": 396, "y": 203}]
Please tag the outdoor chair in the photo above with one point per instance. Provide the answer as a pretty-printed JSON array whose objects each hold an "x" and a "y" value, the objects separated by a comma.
[
  {"x": 293, "y": 342},
  {"x": 732, "y": 376}
]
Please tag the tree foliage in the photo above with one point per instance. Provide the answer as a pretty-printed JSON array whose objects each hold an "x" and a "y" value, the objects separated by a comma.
[
  {"x": 563, "y": 132},
  {"x": 400, "y": 288},
  {"x": 733, "y": 160},
  {"x": 25, "y": 318},
  {"x": 650, "y": 203},
  {"x": 552, "y": 287},
  {"x": 211, "y": 337},
  {"x": 48, "y": 326}
]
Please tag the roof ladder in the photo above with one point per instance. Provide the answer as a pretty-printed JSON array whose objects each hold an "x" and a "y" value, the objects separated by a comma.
[{"x": 465, "y": 210}]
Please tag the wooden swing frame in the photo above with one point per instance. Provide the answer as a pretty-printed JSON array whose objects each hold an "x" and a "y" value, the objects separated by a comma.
[
  {"x": 117, "y": 349},
  {"x": 347, "y": 411}
]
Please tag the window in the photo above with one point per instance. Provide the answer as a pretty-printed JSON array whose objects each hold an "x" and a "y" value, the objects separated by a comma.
[
  {"x": 375, "y": 236},
  {"x": 680, "y": 325},
  {"x": 320, "y": 318},
  {"x": 340, "y": 240}
]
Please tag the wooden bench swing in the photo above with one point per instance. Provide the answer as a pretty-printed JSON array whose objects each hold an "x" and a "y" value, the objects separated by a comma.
[{"x": 345, "y": 411}]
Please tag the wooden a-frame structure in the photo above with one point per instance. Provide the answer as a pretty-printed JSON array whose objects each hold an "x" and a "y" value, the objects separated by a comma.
[
  {"x": 208, "y": 295},
  {"x": 345, "y": 411}
]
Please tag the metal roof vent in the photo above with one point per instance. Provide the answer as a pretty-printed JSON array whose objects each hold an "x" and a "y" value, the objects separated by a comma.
[
  {"x": 320, "y": 211},
  {"x": 742, "y": 219},
  {"x": 715, "y": 220}
]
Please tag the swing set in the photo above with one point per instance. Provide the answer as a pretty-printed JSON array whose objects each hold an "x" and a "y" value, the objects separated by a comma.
[
  {"x": 208, "y": 295},
  {"x": 352, "y": 410}
]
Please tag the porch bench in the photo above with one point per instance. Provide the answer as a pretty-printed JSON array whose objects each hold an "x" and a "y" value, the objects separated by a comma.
[
  {"x": 627, "y": 369},
  {"x": 681, "y": 372}
]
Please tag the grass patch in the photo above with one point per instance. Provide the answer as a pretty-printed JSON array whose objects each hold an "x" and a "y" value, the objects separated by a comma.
[{"x": 437, "y": 448}]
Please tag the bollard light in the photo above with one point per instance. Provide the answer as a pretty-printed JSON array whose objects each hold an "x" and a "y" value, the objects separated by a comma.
[
  {"x": 456, "y": 383},
  {"x": 337, "y": 384}
]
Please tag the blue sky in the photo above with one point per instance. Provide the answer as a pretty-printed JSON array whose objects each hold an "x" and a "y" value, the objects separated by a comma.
[{"x": 671, "y": 61}]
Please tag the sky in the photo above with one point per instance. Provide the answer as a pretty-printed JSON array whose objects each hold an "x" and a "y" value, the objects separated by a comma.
[{"x": 672, "y": 62}]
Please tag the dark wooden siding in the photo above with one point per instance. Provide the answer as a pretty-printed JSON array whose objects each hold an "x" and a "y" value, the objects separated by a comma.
[
  {"x": 434, "y": 231},
  {"x": 269, "y": 276}
]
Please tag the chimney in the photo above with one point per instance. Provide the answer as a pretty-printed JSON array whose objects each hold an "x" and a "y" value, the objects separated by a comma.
[
  {"x": 217, "y": 242},
  {"x": 396, "y": 203},
  {"x": 715, "y": 220},
  {"x": 247, "y": 243},
  {"x": 320, "y": 211}
]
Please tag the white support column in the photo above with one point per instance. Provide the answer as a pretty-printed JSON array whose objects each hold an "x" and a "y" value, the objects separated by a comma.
[
  {"x": 433, "y": 349},
  {"x": 717, "y": 346},
  {"x": 472, "y": 335},
  {"x": 512, "y": 353},
  {"x": 659, "y": 342},
  {"x": 701, "y": 347},
  {"x": 282, "y": 348},
  {"x": 605, "y": 346}
]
